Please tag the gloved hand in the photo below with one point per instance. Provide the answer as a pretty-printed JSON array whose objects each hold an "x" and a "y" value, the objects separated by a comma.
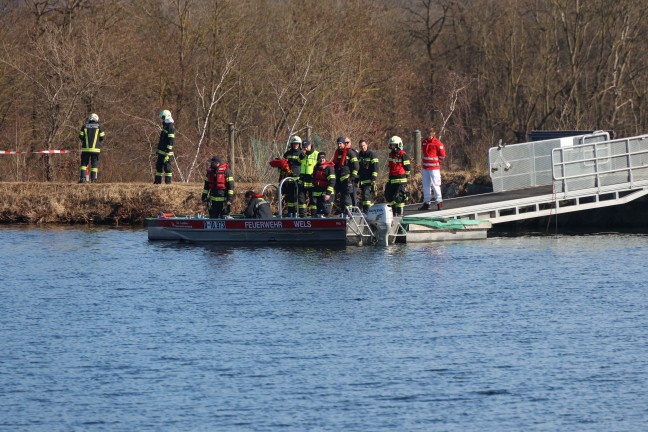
[
  {"x": 228, "y": 203},
  {"x": 203, "y": 198},
  {"x": 166, "y": 159}
]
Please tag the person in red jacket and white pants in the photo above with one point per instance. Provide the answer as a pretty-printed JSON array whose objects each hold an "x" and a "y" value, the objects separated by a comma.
[{"x": 431, "y": 157}]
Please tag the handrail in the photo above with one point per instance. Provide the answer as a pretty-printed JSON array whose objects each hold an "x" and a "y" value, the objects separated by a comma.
[
  {"x": 293, "y": 179},
  {"x": 591, "y": 162}
]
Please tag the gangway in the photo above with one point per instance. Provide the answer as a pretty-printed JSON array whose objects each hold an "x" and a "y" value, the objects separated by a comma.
[{"x": 581, "y": 177}]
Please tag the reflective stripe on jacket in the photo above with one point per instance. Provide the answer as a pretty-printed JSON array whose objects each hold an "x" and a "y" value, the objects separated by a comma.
[
  {"x": 91, "y": 136},
  {"x": 433, "y": 154},
  {"x": 399, "y": 164}
]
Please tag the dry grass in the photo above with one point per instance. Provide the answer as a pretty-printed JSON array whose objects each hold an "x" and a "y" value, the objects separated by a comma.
[
  {"x": 110, "y": 203},
  {"x": 131, "y": 203}
]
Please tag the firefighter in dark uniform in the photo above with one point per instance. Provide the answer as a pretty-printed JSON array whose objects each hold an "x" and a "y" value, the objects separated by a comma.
[
  {"x": 257, "y": 206},
  {"x": 218, "y": 190},
  {"x": 367, "y": 175},
  {"x": 323, "y": 185},
  {"x": 290, "y": 187},
  {"x": 91, "y": 136},
  {"x": 396, "y": 192},
  {"x": 308, "y": 160},
  {"x": 165, "y": 149},
  {"x": 346, "y": 171}
]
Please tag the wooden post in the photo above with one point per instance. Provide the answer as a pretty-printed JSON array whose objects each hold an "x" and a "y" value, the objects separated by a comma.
[
  {"x": 230, "y": 140},
  {"x": 417, "y": 146},
  {"x": 309, "y": 130}
]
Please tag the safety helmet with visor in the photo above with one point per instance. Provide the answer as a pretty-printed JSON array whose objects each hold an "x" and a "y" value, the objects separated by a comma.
[
  {"x": 295, "y": 140},
  {"x": 165, "y": 114},
  {"x": 395, "y": 143}
]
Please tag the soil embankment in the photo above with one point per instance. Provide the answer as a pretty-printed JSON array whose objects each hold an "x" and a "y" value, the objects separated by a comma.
[
  {"x": 131, "y": 203},
  {"x": 110, "y": 203}
]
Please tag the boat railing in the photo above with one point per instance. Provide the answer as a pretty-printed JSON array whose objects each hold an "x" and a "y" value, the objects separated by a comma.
[{"x": 279, "y": 188}]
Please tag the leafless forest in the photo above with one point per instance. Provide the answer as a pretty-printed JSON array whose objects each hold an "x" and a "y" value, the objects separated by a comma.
[{"x": 479, "y": 70}]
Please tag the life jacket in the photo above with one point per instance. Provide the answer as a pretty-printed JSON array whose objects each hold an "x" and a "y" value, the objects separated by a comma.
[
  {"x": 319, "y": 174},
  {"x": 217, "y": 178},
  {"x": 396, "y": 166},
  {"x": 282, "y": 164}
]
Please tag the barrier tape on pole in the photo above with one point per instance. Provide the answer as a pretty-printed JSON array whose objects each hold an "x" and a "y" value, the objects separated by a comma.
[{"x": 12, "y": 152}]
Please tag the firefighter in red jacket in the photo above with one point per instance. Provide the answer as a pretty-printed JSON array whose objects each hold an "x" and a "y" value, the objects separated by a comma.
[
  {"x": 396, "y": 192},
  {"x": 323, "y": 184},
  {"x": 218, "y": 189},
  {"x": 432, "y": 155}
]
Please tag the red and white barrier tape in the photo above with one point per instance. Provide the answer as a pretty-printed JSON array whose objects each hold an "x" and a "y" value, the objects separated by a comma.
[{"x": 12, "y": 152}]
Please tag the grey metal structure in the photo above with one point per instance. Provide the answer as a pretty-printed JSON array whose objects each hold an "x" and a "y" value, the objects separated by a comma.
[
  {"x": 525, "y": 165},
  {"x": 551, "y": 177}
]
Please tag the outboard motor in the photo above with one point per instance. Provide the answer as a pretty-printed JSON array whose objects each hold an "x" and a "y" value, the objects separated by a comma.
[{"x": 381, "y": 218}]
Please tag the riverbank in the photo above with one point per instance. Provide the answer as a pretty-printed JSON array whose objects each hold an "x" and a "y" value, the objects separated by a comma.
[
  {"x": 105, "y": 204},
  {"x": 131, "y": 203}
]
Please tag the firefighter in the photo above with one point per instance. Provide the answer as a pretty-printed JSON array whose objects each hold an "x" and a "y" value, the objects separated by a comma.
[
  {"x": 257, "y": 206},
  {"x": 218, "y": 190},
  {"x": 290, "y": 187},
  {"x": 165, "y": 149},
  {"x": 346, "y": 171},
  {"x": 307, "y": 159},
  {"x": 396, "y": 192},
  {"x": 91, "y": 136},
  {"x": 324, "y": 181},
  {"x": 367, "y": 175}
]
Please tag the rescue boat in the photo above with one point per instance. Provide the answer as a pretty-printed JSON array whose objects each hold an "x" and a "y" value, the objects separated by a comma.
[
  {"x": 379, "y": 226},
  {"x": 288, "y": 231}
]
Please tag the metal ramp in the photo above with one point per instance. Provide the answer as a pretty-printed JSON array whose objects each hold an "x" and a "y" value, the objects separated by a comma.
[{"x": 582, "y": 177}]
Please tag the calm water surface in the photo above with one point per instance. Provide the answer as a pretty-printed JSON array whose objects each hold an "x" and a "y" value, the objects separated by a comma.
[{"x": 101, "y": 329}]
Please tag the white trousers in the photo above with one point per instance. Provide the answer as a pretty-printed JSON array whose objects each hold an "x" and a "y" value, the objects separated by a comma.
[{"x": 431, "y": 180}]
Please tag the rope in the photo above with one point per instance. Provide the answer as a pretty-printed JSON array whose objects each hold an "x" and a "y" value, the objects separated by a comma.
[{"x": 14, "y": 152}]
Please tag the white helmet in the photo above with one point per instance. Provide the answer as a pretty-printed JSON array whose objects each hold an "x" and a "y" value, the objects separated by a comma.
[
  {"x": 295, "y": 140},
  {"x": 93, "y": 117},
  {"x": 395, "y": 142},
  {"x": 165, "y": 114}
]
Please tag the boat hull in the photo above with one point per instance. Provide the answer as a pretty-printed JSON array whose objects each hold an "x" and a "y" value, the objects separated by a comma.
[{"x": 302, "y": 231}]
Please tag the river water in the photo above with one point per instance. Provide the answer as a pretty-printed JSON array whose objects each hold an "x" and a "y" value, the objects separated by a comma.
[{"x": 101, "y": 329}]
